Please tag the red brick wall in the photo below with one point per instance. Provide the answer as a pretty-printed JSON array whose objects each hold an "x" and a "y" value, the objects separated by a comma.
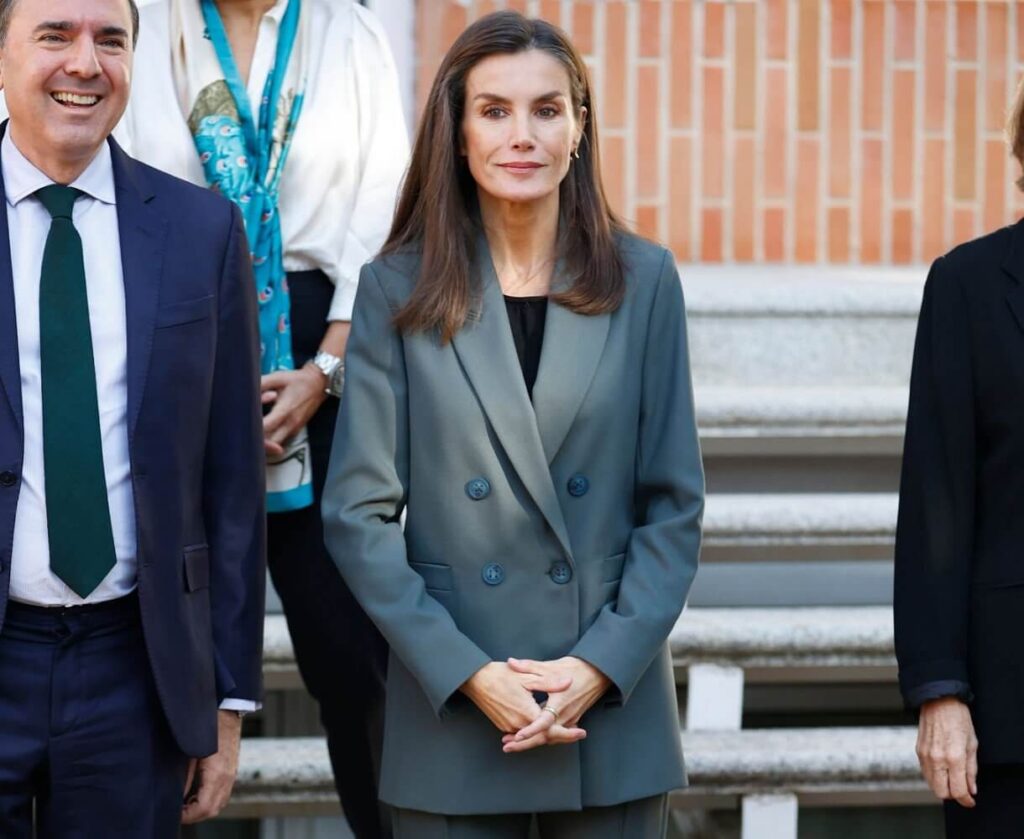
[{"x": 842, "y": 131}]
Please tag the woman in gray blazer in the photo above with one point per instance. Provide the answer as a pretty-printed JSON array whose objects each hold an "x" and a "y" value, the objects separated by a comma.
[{"x": 518, "y": 384}]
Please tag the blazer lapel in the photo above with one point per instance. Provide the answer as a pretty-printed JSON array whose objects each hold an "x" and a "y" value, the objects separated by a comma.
[
  {"x": 10, "y": 368},
  {"x": 143, "y": 231},
  {"x": 488, "y": 357},
  {"x": 572, "y": 350}
]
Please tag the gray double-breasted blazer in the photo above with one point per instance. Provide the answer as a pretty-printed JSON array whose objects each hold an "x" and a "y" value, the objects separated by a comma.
[{"x": 569, "y": 526}]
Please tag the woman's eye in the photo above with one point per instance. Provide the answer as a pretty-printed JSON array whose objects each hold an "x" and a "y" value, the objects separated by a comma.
[
  {"x": 493, "y": 113},
  {"x": 547, "y": 112}
]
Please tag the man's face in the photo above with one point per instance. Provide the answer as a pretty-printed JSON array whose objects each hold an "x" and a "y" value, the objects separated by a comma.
[{"x": 65, "y": 69}]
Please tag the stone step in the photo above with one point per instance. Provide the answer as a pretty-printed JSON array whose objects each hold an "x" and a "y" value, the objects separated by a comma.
[
  {"x": 770, "y": 645},
  {"x": 869, "y": 766},
  {"x": 799, "y": 526},
  {"x": 749, "y": 421},
  {"x": 801, "y": 326}
]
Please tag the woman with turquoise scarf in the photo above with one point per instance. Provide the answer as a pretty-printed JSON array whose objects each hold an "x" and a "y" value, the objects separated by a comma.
[{"x": 290, "y": 108}]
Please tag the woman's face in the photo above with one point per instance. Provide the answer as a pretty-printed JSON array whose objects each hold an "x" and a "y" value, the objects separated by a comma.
[{"x": 519, "y": 129}]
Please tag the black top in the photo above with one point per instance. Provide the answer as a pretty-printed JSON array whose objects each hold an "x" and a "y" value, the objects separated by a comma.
[{"x": 526, "y": 316}]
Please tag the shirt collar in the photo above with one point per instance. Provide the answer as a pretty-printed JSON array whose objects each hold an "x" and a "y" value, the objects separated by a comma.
[
  {"x": 22, "y": 178},
  {"x": 276, "y": 12}
]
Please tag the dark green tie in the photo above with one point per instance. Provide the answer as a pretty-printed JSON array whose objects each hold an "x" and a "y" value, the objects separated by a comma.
[{"x": 77, "y": 513}]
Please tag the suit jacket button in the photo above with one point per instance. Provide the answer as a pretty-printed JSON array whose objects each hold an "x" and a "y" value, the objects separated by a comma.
[
  {"x": 561, "y": 572},
  {"x": 494, "y": 574},
  {"x": 478, "y": 489},
  {"x": 578, "y": 486},
  {"x": 8, "y": 479}
]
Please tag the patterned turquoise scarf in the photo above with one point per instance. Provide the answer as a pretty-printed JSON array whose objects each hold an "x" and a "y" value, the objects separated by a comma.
[{"x": 244, "y": 160}]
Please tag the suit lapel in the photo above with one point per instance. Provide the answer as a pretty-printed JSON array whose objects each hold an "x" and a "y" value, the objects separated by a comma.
[
  {"x": 572, "y": 350},
  {"x": 10, "y": 369},
  {"x": 143, "y": 231},
  {"x": 488, "y": 357}
]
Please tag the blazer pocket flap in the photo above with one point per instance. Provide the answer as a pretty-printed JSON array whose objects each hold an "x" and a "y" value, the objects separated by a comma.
[
  {"x": 435, "y": 576},
  {"x": 613, "y": 566},
  {"x": 184, "y": 311},
  {"x": 197, "y": 567}
]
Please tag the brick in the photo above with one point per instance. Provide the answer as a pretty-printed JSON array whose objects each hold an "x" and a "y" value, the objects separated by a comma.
[
  {"x": 613, "y": 172},
  {"x": 647, "y": 219},
  {"x": 997, "y": 91},
  {"x": 714, "y": 132},
  {"x": 805, "y": 222},
  {"x": 902, "y": 236},
  {"x": 614, "y": 101},
  {"x": 454, "y": 22},
  {"x": 648, "y": 137},
  {"x": 774, "y": 234},
  {"x": 517, "y": 5},
  {"x": 807, "y": 65},
  {"x": 745, "y": 67},
  {"x": 873, "y": 67},
  {"x": 935, "y": 66},
  {"x": 840, "y": 132},
  {"x": 842, "y": 29},
  {"x": 871, "y": 202},
  {"x": 994, "y": 208},
  {"x": 682, "y": 57},
  {"x": 777, "y": 46},
  {"x": 743, "y": 159},
  {"x": 904, "y": 30},
  {"x": 711, "y": 238},
  {"x": 965, "y": 225},
  {"x": 680, "y": 198},
  {"x": 966, "y": 30},
  {"x": 650, "y": 28},
  {"x": 551, "y": 11},
  {"x": 838, "y": 235},
  {"x": 583, "y": 26},
  {"x": 933, "y": 192},
  {"x": 714, "y": 29},
  {"x": 1020, "y": 30},
  {"x": 485, "y": 7},
  {"x": 776, "y": 134},
  {"x": 964, "y": 134},
  {"x": 903, "y": 115}
]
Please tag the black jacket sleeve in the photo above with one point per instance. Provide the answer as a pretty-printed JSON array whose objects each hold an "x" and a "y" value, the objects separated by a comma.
[{"x": 935, "y": 530}]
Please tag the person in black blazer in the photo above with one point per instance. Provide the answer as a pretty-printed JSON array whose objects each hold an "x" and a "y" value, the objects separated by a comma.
[{"x": 959, "y": 580}]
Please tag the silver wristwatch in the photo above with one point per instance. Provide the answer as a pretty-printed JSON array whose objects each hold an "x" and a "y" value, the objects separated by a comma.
[{"x": 333, "y": 368}]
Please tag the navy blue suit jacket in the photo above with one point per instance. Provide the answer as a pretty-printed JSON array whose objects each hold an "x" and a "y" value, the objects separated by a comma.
[{"x": 195, "y": 441}]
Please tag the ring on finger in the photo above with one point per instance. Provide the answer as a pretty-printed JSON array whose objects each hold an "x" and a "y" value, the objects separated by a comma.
[{"x": 550, "y": 710}]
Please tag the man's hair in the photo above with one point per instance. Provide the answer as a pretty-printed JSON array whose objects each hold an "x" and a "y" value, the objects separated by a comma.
[{"x": 7, "y": 12}]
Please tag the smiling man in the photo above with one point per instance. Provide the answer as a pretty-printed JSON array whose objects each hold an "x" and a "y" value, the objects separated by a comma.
[{"x": 131, "y": 486}]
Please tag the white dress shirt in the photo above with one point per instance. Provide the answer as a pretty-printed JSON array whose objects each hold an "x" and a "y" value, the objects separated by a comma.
[
  {"x": 350, "y": 148},
  {"x": 95, "y": 219}
]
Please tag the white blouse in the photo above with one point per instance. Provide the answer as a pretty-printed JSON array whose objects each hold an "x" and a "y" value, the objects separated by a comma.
[{"x": 350, "y": 148}]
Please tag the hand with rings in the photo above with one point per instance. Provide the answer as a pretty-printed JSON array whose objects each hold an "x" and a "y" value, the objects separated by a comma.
[{"x": 558, "y": 719}]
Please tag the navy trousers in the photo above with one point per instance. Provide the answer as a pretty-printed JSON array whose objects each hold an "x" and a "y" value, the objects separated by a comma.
[{"x": 82, "y": 734}]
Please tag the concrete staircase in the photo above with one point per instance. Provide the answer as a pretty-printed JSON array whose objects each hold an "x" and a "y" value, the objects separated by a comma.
[{"x": 800, "y": 379}]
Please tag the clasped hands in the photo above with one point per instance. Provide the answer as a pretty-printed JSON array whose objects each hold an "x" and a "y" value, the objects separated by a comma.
[{"x": 504, "y": 691}]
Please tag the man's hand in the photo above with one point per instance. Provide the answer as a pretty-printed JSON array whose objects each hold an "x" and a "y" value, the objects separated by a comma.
[
  {"x": 948, "y": 750},
  {"x": 216, "y": 773},
  {"x": 587, "y": 685},
  {"x": 506, "y": 697}
]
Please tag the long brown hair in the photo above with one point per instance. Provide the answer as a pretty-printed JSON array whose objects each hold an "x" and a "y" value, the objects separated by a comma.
[{"x": 436, "y": 209}]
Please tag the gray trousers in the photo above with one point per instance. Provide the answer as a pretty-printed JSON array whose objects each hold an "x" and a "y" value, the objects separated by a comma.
[{"x": 646, "y": 818}]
